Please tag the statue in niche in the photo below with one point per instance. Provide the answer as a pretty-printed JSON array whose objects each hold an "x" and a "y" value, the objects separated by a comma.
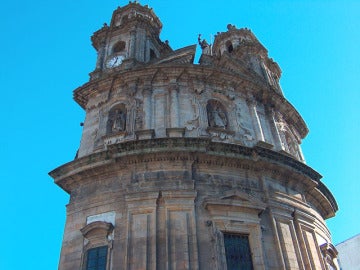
[
  {"x": 119, "y": 123},
  {"x": 216, "y": 114},
  {"x": 117, "y": 120}
]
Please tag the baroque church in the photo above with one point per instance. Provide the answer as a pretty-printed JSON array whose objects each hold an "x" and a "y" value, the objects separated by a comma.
[{"x": 190, "y": 166}]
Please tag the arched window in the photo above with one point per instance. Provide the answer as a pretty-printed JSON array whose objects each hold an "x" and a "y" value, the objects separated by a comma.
[
  {"x": 216, "y": 114},
  {"x": 229, "y": 46},
  {"x": 152, "y": 54},
  {"x": 118, "y": 47},
  {"x": 116, "y": 119},
  {"x": 96, "y": 254}
]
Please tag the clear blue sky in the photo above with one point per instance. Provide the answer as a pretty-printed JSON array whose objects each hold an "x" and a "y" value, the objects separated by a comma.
[{"x": 46, "y": 53}]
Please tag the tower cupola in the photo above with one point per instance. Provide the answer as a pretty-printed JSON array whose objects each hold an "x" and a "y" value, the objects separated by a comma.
[
  {"x": 131, "y": 39},
  {"x": 242, "y": 48}
]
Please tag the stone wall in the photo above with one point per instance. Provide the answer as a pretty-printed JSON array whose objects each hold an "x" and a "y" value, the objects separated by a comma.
[{"x": 169, "y": 206}]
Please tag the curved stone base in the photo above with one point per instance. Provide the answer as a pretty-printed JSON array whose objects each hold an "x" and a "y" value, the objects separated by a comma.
[{"x": 170, "y": 201}]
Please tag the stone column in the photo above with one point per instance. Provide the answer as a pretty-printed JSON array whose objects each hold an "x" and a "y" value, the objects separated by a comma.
[
  {"x": 140, "y": 45},
  {"x": 174, "y": 106},
  {"x": 147, "y": 49},
  {"x": 101, "y": 56},
  {"x": 147, "y": 107},
  {"x": 132, "y": 49}
]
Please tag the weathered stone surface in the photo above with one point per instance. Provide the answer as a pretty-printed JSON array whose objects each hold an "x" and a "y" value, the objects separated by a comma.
[{"x": 175, "y": 155}]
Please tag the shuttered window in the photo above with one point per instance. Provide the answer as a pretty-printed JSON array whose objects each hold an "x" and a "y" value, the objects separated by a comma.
[
  {"x": 237, "y": 250},
  {"x": 96, "y": 258}
]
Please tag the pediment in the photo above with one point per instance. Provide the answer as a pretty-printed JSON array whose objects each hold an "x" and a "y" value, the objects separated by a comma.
[
  {"x": 236, "y": 65},
  {"x": 237, "y": 195},
  {"x": 159, "y": 75},
  {"x": 235, "y": 199},
  {"x": 184, "y": 55},
  {"x": 184, "y": 76}
]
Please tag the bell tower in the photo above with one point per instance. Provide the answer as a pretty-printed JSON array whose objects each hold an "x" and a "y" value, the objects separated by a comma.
[
  {"x": 131, "y": 38},
  {"x": 189, "y": 166}
]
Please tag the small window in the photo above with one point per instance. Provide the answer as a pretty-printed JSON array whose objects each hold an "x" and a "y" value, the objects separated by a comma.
[
  {"x": 96, "y": 258},
  {"x": 237, "y": 251},
  {"x": 118, "y": 47},
  {"x": 229, "y": 46},
  {"x": 152, "y": 54}
]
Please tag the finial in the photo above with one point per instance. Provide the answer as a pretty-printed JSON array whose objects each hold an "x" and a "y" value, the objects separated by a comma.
[{"x": 231, "y": 27}]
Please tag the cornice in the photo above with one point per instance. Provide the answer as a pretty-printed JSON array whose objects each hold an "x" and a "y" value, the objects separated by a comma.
[{"x": 200, "y": 151}]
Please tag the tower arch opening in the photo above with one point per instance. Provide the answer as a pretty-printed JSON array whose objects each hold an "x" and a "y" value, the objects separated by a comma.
[
  {"x": 229, "y": 46},
  {"x": 119, "y": 47}
]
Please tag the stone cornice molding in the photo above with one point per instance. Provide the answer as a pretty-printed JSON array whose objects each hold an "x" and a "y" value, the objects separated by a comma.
[
  {"x": 235, "y": 199},
  {"x": 203, "y": 146},
  {"x": 322, "y": 197},
  {"x": 203, "y": 151}
]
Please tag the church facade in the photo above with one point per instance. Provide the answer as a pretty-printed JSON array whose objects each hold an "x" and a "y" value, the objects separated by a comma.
[{"x": 190, "y": 166}]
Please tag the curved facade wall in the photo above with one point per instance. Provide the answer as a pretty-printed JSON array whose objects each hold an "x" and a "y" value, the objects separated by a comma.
[{"x": 185, "y": 166}]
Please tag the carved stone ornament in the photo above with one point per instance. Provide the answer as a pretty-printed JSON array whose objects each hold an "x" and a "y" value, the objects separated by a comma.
[
  {"x": 217, "y": 117},
  {"x": 116, "y": 120}
]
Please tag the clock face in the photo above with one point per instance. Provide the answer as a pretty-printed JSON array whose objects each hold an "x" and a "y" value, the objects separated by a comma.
[{"x": 114, "y": 61}]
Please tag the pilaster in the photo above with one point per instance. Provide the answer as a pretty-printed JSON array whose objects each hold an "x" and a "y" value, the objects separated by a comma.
[
  {"x": 174, "y": 105},
  {"x": 255, "y": 119}
]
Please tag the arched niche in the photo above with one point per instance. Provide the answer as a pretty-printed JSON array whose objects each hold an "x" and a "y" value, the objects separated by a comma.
[
  {"x": 116, "y": 119},
  {"x": 217, "y": 115}
]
